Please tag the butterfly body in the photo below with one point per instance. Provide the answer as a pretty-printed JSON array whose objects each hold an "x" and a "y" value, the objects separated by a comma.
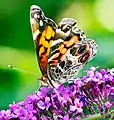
[{"x": 62, "y": 50}]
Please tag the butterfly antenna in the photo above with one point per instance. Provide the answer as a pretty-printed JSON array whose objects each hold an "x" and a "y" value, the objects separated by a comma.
[{"x": 21, "y": 70}]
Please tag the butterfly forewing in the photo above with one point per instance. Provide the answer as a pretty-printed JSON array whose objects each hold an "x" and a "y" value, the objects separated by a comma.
[{"x": 43, "y": 31}]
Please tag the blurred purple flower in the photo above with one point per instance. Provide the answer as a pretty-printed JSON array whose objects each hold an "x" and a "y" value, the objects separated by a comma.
[{"x": 83, "y": 97}]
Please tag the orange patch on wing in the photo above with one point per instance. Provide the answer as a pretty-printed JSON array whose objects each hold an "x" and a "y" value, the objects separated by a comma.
[
  {"x": 65, "y": 42},
  {"x": 43, "y": 63},
  {"x": 63, "y": 51},
  {"x": 49, "y": 31},
  {"x": 41, "y": 51},
  {"x": 46, "y": 44},
  {"x": 53, "y": 33},
  {"x": 61, "y": 58},
  {"x": 42, "y": 40},
  {"x": 49, "y": 45},
  {"x": 61, "y": 47},
  {"x": 73, "y": 40}
]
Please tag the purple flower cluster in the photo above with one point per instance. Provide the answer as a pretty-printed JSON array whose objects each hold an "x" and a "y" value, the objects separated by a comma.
[{"x": 81, "y": 98}]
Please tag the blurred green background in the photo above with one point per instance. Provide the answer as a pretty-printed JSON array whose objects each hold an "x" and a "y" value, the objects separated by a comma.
[{"x": 95, "y": 17}]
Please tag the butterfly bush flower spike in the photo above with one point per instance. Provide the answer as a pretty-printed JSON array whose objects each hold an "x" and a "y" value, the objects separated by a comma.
[{"x": 78, "y": 99}]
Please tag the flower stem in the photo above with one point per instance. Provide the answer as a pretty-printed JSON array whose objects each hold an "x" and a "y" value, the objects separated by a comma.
[
  {"x": 97, "y": 116},
  {"x": 93, "y": 117}
]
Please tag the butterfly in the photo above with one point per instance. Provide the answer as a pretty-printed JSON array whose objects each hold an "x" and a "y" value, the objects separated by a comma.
[{"x": 62, "y": 50}]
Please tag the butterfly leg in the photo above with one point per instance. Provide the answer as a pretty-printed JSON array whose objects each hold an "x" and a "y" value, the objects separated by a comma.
[{"x": 39, "y": 85}]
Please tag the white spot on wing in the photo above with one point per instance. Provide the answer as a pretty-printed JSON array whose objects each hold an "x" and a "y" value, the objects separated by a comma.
[
  {"x": 38, "y": 16},
  {"x": 56, "y": 42},
  {"x": 41, "y": 23},
  {"x": 67, "y": 33},
  {"x": 35, "y": 16}
]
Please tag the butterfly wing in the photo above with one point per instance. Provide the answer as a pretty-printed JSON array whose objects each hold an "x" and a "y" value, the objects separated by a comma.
[
  {"x": 68, "y": 61},
  {"x": 67, "y": 57},
  {"x": 43, "y": 31},
  {"x": 61, "y": 50}
]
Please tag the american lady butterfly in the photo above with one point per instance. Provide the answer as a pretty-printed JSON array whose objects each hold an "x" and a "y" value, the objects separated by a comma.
[{"x": 62, "y": 50}]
